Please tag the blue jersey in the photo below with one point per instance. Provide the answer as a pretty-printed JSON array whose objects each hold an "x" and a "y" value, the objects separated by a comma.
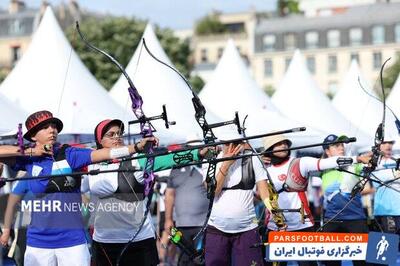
[
  {"x": 386, "y": 200},
  {"x": 337, "y": 188},
  {"x": 57, "y": 220}
]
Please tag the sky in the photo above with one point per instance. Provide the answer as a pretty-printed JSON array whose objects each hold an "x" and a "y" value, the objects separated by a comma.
[{"x": 175, "y": 14}]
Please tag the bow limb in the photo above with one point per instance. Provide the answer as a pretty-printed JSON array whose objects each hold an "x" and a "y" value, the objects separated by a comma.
[
  {"x": 112, "y": 59},
  {"x": 146, "y": 129},
  {"x": 137, "y": 102},
  {"x": 208, "y": 137},
  {"x": 397, "y": 121},
  {"x": 20, "y": 139},
  {"x": 380, "y": 131},
  {"x": 376, "y": 152},
  {"x": 273, "y": 195},
  {"x": 200, "y": 110}
]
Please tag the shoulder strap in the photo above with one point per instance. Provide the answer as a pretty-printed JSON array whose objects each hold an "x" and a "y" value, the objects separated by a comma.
[
  {"x": 129, "y": 189},
  {"x": 248, "y": 176},
  {"x": 65, "y": 183}
]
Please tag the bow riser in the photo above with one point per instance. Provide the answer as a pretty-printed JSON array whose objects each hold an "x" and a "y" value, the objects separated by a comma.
[{"x": 146, "y": 130}]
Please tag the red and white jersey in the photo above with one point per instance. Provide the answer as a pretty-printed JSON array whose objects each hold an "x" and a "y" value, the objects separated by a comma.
[{"x": 289, "y": 200}]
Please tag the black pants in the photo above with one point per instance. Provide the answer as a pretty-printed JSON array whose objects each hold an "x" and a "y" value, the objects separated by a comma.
[
  {"x": 188, "y": 233},
  {"x": 142, "y": 253},
  {"x": 389, "y": 224},
  {"x": 353, "y": 226},
  {"x": 302, "y": 262}
]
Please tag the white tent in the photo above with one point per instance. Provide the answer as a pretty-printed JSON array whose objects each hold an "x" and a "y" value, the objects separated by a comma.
[
  {"x": 11, "y": 115},
  {"x": 299, "y": 98},
  {"x": 392, "y": 102},
  {"x": 362, "y": 110},
  {"x": 51, "y": 76},
  {"x": 231, "y": 80},
  {"x": 159, "y": 85},
  {"x": 393, "y": 99},
  {"x": 231, "y": 88}
]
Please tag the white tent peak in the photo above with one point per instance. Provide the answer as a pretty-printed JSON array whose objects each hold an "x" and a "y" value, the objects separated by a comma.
[
  {"x": 362, "y": 110},
  {"x": 231, "y": 50},
  {"x": 231, "y": 89},
  {"x": 11, "y": 114},
  {"x": 154, "y": 45},
  {"x": 49, "y": 15},
  {"x": 298, "y": 70},
  {"x": 393, "y": 102},
  {"x": 353, "y": 103},
  {"x": 299, "y": 98},
  {"x": 352, "y": 86},
  {"x": 298, "y": 81},
  {"x": 354, "y": 73},
  {"x": 394, "y": 97},
  {"x": 158, "y": 85},
  {"x": 118, "y": 91},
  {"x": 50, "y": 76},
  {"x": 232, "y": 78}
]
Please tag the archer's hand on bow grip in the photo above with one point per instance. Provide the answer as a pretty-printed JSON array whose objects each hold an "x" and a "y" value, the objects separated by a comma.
[
  {"x": 147, "y": 143},
  {"x": 208, "y": 152},
  {"x": 39, "y": 150}
]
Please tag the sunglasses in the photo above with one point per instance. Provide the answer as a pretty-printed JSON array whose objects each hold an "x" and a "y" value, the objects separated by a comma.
[{"x": 111, "y": 135}]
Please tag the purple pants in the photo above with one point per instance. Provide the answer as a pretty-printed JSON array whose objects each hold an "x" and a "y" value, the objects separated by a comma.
[{"x": 232, "y": 249}]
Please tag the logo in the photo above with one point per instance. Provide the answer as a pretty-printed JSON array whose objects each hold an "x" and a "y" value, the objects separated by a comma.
[
  {"x": 69, "y": 182},
  {"x": 36, "y": 170},
  {"x": 282, "y": 177},
  {"x": 315, "y": 246},
  {"x": 382, "y": 248}
]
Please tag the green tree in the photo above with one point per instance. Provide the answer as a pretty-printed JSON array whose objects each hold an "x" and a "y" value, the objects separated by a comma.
[
  {"x": 3, "y": 74},
  {"x": 330, "y": 95},
  {"x": 119, "y": 37},
  {"x": 178, "y": 51},
  {"x": 269, "y": 90},
  {"x": 391, "y": 74},
  {"x": 286, "y": 7},
  {"x": 197, "y": 83},
  {"x": 210, "y": 24}
]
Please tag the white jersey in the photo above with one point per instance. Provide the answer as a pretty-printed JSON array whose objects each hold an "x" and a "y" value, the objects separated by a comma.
[
  {"x": 233, "y": 210},
  {"x": 288, "y": 200},
  {"x": 119, "y": 224}
]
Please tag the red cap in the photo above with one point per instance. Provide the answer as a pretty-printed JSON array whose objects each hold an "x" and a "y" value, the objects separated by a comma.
[
  {"x": 100, "y": 129},
  {"x": 36, "y": 120}
]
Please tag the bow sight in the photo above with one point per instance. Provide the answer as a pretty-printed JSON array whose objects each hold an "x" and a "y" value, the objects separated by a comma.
[{"x": 163, "y": 116}]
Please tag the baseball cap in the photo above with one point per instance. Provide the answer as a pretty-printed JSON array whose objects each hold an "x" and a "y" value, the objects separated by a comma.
[{"x": 332, "y": 138}]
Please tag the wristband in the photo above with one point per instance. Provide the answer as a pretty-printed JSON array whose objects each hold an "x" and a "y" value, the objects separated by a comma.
[
  {"x": 119, "y": 152},
  {"x": 345, "y": 161}
]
